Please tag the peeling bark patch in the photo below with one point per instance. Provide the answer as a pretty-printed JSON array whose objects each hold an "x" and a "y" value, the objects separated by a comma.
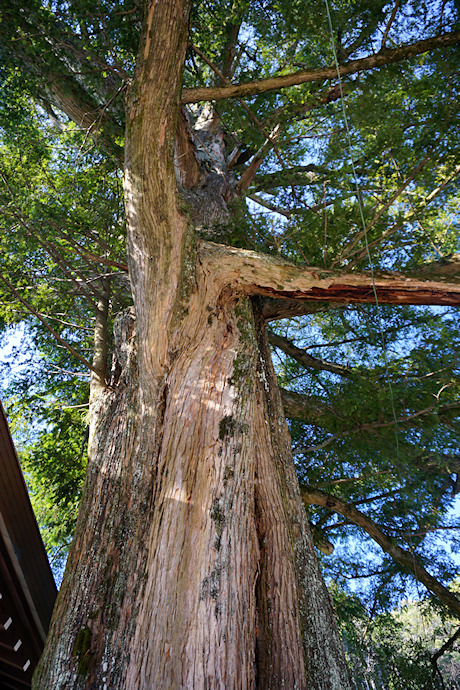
[
  {"x": 149, "y": 28},
  {"x": 364, "y": 295}
]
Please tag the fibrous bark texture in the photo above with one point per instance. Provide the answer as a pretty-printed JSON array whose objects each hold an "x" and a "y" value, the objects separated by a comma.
[{"x": 192, "y": 565}]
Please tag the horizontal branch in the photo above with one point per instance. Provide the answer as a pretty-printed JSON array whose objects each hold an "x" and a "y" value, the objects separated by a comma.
[
  {"x": 288, "y": 347},
  {"x": 314, "y": 411},
  {"x": 252, "y": 273},
  {"x": 405, "y": 559},
  {"x": 300, "y": 175},
  {"x": 384, "y": 57}
]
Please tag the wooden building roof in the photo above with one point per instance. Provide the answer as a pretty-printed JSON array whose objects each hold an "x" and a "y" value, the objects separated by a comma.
[{"x": 27, "y": 588}]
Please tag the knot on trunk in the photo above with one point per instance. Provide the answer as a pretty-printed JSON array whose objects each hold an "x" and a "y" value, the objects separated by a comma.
[
  {"x": 205, "y": 180},
  {"x": 124, "y": 361},
  {"x": 208, "y": 206}
]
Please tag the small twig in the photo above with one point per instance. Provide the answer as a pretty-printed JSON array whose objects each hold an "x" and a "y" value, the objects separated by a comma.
[
  {"x": 399, "y": 224},
  {"x": 441, "y": 17},
  {"x": 75, "y": 407},
  {"x": 67, "y": 323},
  {"x": 362, "y": 233},
  {"x": 54, "y": 368},
  {"x": 388, "y": 26}
]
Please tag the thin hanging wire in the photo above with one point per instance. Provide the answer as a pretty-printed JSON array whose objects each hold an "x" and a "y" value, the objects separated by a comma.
[{"x": 361, "y": 212}]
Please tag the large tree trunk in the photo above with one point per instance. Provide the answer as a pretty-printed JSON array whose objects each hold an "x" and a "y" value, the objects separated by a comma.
[{"x": 192, "y": 565}]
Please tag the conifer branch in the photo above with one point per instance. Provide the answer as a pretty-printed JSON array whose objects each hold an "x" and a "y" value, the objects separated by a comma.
[
  {"x": 44, "y": 321},
  {"x": 301, "y": 356},
  {"x": 321, "y": 74},
  {"x": 261, "y": 274},
  {"x": 406, "y": 559}
]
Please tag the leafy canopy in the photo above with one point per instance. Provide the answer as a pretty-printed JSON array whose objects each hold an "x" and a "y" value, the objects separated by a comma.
[{"x": 371, "y": 394}]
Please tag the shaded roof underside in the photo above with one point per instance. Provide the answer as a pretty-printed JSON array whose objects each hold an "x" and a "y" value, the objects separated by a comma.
[{"x": 27, "y": 589}]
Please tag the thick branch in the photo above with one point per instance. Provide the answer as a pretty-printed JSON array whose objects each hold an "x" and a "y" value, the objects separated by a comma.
[
  {"x": 404, "y": 558},
  {"x": 384, "y": 57},
  {"x": 21, "y": 38},
  {"x": 307, "y": 409},
  {"x": 260, "y": 274},
  {"x": 72, "y": 99},
  {"x": 300, "y": 175}
]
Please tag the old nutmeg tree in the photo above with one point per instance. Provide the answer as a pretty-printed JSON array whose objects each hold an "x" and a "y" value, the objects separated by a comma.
[{"x": 268, "y": 149}]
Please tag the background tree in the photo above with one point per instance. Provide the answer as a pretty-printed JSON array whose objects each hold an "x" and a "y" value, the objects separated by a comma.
[
  {"x": 187, "y": 437},
  {"x": 405, "y": 647}
]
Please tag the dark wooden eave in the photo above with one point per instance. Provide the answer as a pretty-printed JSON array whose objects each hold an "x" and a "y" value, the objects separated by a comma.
[{"x": 27, "y": 588}]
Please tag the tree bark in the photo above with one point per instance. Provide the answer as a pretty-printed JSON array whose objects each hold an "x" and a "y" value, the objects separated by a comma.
[
  {"x": 272, "y": 277},
  {"x": 192, "y": 565}
]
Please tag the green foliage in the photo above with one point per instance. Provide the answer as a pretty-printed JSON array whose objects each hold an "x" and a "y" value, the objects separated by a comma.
[
  {"x": 382, "y": 436},
  {"x": 399, "y": 474},
  {"x": 394, "y": 650},
  {"x": 54, "y": 467},
  {"x": 52, "y": 454},
  {"x": 61, "y": 217}
]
